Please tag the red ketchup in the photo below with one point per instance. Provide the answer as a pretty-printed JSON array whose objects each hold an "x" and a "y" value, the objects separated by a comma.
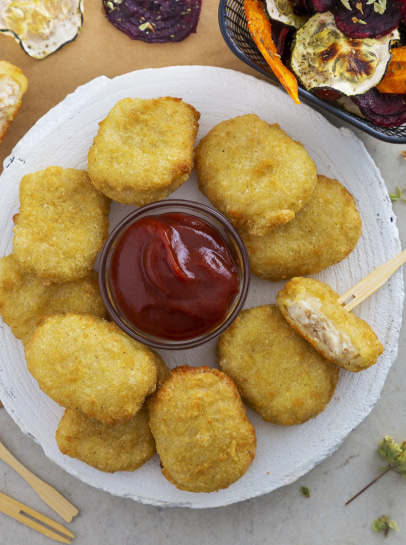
[{"x": 173, "y": 276}]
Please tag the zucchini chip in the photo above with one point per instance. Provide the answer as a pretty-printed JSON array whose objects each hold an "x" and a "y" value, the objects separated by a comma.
[
  {"x": 41, "y": 27},
  {"x": 323, "y": 57},
  {"x": 283, "y": 11}
]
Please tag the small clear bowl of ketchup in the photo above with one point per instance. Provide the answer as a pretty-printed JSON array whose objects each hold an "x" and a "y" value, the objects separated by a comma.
[{"x": 174, "y": 274}]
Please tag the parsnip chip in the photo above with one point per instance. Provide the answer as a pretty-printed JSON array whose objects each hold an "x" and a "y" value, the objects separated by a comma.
[{"x": 13, "y": 85}]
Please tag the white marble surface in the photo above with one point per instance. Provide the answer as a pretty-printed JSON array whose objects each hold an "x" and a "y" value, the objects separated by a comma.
[{"x": 283, "y": 516}]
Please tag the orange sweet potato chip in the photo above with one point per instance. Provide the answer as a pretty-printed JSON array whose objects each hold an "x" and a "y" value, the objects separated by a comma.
[{"x": 260, "y": 30}]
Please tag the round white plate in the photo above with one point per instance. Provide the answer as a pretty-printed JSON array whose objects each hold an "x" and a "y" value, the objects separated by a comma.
[{"x": 63, "y": 136}]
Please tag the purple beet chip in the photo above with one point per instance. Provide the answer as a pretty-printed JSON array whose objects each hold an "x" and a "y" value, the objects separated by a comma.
[
  {"x": 302, "y": 8},
  {"x": 282, "y": 36},
  {"x": 324, "y": 5},
  {"x": 383, "y": 109},
  {"x": 368, "y": 18},
  {"x": 154, "y": 21}
]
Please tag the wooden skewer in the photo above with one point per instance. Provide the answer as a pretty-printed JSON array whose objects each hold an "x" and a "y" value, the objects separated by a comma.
[
  {"x": 371, "y": 283},
  {"x": 33, "y": 519},
  {"x": 50, "y": 496}
]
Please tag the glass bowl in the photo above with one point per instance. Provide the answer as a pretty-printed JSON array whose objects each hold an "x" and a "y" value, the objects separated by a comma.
[
  {"x": 234, "y": 28},
  {"x": 230, "y": 237}
]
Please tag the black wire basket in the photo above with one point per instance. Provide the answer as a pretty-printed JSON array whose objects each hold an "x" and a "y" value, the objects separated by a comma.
[{"x": 234, "y": 28}]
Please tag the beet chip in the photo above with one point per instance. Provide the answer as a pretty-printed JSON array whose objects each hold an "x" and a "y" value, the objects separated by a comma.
[
  {"x": 324, "y": 5},
  {"x": 302, "y": 8},
  {"x": 368, "y": 18},
  {"x": 154, "y": 21},
  {"x": 383, "y": 109},
  {"x": 282, "y": 36}
]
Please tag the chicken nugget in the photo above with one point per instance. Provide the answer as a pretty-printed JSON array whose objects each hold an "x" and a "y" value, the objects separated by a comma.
[
  {"x": 143, "y": 150},
  {"x": 86, "y": 363},
  {"x": 163, "y": 370},
  {"x": 25, "y": 300},
  {"x": 123, "y": 447},
  {"x": 62, "y": 224},
  {"x": 277, "y": 373},
  {"x": 323, "y": 233},
  {"x": 201, "y": 430},
  {"x": 254, "y": 173},
  {"x": 312, "y": 309}
]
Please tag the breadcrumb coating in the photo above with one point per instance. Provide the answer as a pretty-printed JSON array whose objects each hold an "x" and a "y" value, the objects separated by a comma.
[
  {"x": 86, "y": 363},
  {"x": 201, "y": 430},
  {"x": 254, "y": 173},
  {"x": 277, "y": 373},
  {"x": 143, "y": 150},
  {"x": 123, "y": 447},
  {"x": 62, "y": 224},
  {"x": 25, "y": 300},
  {"x": 325, "y": 231}
]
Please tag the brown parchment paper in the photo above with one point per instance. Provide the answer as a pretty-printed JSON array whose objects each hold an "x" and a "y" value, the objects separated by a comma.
[{"x": 101, "y": 49}]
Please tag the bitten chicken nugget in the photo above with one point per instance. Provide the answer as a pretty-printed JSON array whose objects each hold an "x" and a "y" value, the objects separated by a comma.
[
  {"x": 25, "y": 300},
  {"x": 201, "y": 430},
  {"x": 62, "y": 224},
  {"x": 123, "y": 447},
  {"x": 254, "y": 173},
  {"x": 278, "y": 373},
  {"x": 86, "y": 363},
  {"x": 143, "y": 150},
  {"x": 323, "y": 233},
  {"x": 312, "y": 309}
]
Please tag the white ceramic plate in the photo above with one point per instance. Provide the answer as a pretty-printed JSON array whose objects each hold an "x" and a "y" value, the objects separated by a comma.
[{"x": 63, "y": 137}]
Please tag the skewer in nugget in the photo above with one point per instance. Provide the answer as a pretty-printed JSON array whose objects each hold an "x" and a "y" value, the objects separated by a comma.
[{"x": 324, "y": 319}]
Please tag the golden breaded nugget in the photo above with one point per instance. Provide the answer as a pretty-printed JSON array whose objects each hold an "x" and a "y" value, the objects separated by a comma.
[
  {"x": 323, "y": 233},
  {"x": 13, "y": 85},
  {"x": 254, "y": 173},
  {"x": 278, "y": 373},
  {"x": 25, "y": 300},
  {"x": 312, "y": 309},
  {"x": 123, "y": 447},
  {"x": 143, "y": 150},
  {"x": 201, "y": 430},
  {"x": 86, "y": 363},
  {"x": 162, "y": 368},
  {"x": 62, "y": 225}
]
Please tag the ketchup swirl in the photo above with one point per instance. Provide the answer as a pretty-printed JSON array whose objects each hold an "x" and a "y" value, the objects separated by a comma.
[{"x": 173, "y": 276}]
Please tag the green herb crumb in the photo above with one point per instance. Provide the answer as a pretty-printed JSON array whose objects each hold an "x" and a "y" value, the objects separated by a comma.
[
  {"x": 384, "y": 524},
  {"x": 305, "y": 491}
]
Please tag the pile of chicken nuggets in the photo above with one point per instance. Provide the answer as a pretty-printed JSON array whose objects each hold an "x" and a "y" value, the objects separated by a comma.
[{"x": 122, "y": 402}]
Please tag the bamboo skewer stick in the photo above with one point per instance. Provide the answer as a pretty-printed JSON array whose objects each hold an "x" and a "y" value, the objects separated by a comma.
[
  {"x": 50, "y": 496},
  {"x": 33, "y": 519},
  {"x": 371, "y": 283}
]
